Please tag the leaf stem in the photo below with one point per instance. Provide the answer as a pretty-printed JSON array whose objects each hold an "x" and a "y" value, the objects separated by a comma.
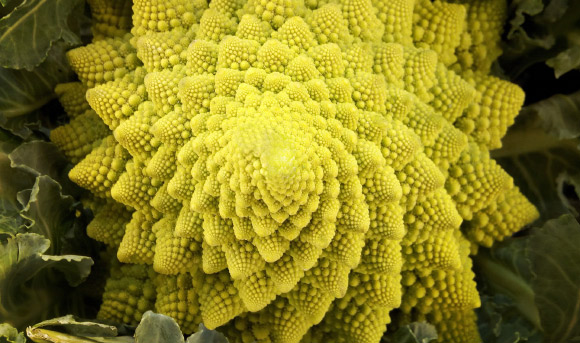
[
  {"x": 527, "y": 141},
  {"x": 25, "y": 109},
  {"x": 503, "y": 279}
]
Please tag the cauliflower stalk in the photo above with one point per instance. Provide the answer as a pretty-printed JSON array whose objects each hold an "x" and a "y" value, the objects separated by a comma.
[{"x": 292, "y": 171}]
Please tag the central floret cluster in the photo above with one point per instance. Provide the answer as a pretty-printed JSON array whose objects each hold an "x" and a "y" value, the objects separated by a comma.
[{"x": 286, "y": 171}]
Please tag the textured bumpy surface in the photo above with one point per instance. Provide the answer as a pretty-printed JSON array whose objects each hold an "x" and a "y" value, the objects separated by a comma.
[{"x": 289, "y": 170}]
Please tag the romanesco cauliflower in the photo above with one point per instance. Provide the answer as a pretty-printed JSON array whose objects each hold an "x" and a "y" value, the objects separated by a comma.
[{"x": 293, "y": 170}]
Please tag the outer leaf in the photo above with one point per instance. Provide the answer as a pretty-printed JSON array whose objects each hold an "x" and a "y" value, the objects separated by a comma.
[
  {"x": 538, "y": 160},
  {"x": 8, "y": 334},
  {"x": 23, "y": 92},
  {"x": 414, "y": 333},
  {"x": 28, "y": 280},
  {"x": 7, "y": 6},
  {"x": 47, "y": 210},
  {"x": 8, "y": 141},
  {"x": 158, "y": 328},
  {"x": 509, "y": 312},
  {"x": 204, "y": 335},
  {"x": 11, "y": 182},
  {"x": 565, "y": 61},
  {"x": 501, "y": 322},
  {"x": 68, "y": 329},
  {"x": 559, "y": 114},
  {"x": 24, "y": 126},
  {"x": 521, "y": 9},
  {"x": 50, "y": 336},
  {"x": 540, "y": 273},
  {"x": 553, "y": 250},
  {"x": 539, "y": 30},
  {"x": 43, "y": 158},
  {"x": 27, "y": 33},
  {"x": 568, "y": 190},
  {"x": 69, "y": 324}
]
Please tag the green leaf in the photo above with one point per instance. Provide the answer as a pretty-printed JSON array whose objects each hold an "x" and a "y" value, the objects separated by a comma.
[
  {"x": 204, "y": 335},
  {"x": 565, "y": 61},
  {"x": 553, "y": 251},
  {"x": 541, "y": 148},
  {"x": 506, "y": 270},
  {"x": 568, "y": 190},
  {"x": 501, "y": 322},
  {"x": 521, "y": 9},
  {"x": 416, "y": 332},
  {"x": 24, "y": 126},
  {"x": 49, "y": 213},
  {"x": 27, "y": 34},
  {"x": 158, "y": 328},
  {"x": 539, "y": 31},
  {"x": 69, "y": 329},
  {"x": 44, "y": 158},
  {"x": 24, "y": 92},
  {"x": 48, "y": 336},
  {"x": 8, "y": 141},
  {"x": 8, "y": 334},
  {"x": 559, "y": 114},
  {"x": 29, "y": 286},
  {"x": 70, "y": 325},
  {"x": 7, "y": 6},
  {"x": 11, "y": 182},
  {"x": 540, "y": 273}
]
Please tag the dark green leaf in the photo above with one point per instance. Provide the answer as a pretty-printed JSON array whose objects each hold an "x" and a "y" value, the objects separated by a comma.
[
  {"x": 555, "y": 257},
  {"x": 50, "y": 336},
  {"x": 43, "y": 158},
  {"x": 69, "y": 324},
  {"x": 565, "y": 61},
  {"x": 539, "y": 31},
  {"x": 7, "y": 6},
  {"x": 27, "y": 34},
  {"x": 506, "y": 269},
  {"x": 11, "y": 182},
  {"x": 8, "y": 141},
  {"x": 69, "y": 329},
  {"x": 501, "y": 322},
  {"x": 8, "y": 334},
  {"x": 559, "y": 114},
  {"x": 24, "y": 126},
  {"x": 204, "y": 335},
  {"x": 23, "y": 92},
  {"x": 48, "y": 212},
  {"x": 521, "y": 9},
  {"x": 542, "y": 146},
  {"x": 540, "y": 273},
  {"x": 39, "y": 158},
  {"x": 568, "y": 191},
  {"x": 28, "y": 283},
  {"x": 158, "y": 328},
  {"x": 414, "y": 333}
]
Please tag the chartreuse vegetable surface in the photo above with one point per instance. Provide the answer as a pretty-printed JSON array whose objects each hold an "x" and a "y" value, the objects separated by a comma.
[{"x": 293, "y": 171}]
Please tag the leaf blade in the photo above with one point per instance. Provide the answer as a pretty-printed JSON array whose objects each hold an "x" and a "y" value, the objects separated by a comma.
[
  {"x": 204, "y": 335},
  {"x": 555, "y": 258},
  {"x": 27, "y": 276},
  {"x": 28, "y": 33},
  {"x": 542, "y": 147},
  {"x": 23, "y": 91},
  {"x": 158, "y": 328}
]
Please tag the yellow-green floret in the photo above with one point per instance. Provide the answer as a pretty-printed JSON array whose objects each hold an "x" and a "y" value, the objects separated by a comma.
[{"x": 292, "y": 170}]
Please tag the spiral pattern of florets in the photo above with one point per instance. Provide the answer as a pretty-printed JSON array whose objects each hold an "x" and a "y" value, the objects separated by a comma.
[{"x": 291, "y": 171}]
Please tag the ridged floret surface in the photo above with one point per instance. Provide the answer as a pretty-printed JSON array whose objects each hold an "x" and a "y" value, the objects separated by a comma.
[{"x": 291, "y": 171}]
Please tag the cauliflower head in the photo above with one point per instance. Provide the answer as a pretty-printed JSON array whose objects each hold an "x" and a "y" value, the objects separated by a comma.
[{"x": 293, "y": 170}]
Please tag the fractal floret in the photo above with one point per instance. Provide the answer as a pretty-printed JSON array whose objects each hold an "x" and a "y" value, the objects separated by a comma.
[{"x": 294, "y": 171}]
